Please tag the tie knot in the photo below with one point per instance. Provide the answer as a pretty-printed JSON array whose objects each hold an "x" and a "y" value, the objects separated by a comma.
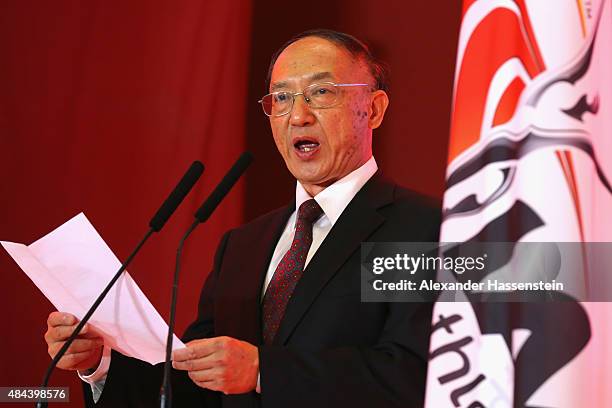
[{"x": 309, "y": 211}]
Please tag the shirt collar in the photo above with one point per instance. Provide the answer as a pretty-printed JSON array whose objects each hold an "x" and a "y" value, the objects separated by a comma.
[{"x": 335, "y": 198}]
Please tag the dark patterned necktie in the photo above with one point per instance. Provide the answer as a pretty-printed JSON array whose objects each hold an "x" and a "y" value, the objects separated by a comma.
[{"x": 289, "y": 270}]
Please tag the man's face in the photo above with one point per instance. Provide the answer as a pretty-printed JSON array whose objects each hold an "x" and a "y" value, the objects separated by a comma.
[{"x": 322, "y": 145}]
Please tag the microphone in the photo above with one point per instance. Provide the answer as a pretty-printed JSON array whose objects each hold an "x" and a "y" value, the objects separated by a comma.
[
  {"x": 203, "y": 213},
  {"x": 213, "y": 200},
  {"x": 155, "y": 225},
  {"x": 176, "y": 196}
]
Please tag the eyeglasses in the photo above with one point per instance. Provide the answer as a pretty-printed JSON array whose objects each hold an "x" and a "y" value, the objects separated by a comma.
[{"x": 323, "y": 95}]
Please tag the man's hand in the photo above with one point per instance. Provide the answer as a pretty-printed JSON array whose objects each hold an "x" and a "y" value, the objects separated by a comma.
[
  {"x": 85, "y": 351},
  {"x": 220, "y": 364}
]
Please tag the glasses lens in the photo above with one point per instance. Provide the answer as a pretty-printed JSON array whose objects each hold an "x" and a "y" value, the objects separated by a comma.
[
  {"x": 266, "y": 104},
  {"x": 277, "y": 103},
  {"x": 321, "y": 95}
]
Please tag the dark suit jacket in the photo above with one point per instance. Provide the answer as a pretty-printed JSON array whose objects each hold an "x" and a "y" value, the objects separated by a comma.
[{"x": 331, "y": 350}]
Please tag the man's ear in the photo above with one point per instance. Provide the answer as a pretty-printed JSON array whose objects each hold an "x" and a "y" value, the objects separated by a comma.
[{"x": 378, "y": 107}]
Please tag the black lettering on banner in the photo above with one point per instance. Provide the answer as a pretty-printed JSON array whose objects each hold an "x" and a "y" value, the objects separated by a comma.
[
  {"x": 446, "y": 322},
  {"x": 454, "y": 347},
  {"x": 465, "y": 389}
]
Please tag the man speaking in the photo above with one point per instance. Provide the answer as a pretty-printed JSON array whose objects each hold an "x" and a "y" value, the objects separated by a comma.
[{"x": 280, "y": 320}]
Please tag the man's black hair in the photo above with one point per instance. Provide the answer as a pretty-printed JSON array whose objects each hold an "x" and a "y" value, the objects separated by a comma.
[{"x": 355, "y": 47}]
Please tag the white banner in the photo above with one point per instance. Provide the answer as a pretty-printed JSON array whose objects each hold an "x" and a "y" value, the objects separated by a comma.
[{"x": 530, "y": 159}]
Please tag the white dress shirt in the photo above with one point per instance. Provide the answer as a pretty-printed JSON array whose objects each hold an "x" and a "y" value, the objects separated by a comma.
[{"x": 333, "y": 200}]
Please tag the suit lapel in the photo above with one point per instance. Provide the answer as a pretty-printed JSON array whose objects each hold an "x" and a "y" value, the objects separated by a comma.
[
  {"x": 243, "y": 299},
  {"x": 358, "y": 221}
]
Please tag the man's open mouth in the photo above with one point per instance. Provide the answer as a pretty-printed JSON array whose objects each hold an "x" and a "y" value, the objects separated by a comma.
[{"x": 305, "y": 145}]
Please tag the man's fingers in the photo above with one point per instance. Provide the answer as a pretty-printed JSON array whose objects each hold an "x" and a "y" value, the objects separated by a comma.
[
  {"x": 61, "y": 319},
  {"x": 203, "y": 363},
  {"x": 196, "y": 349},
  {"x": 212, "y": 385},
  {"x": 57, "y": 333},
  {"x": 202, "y": 376},
  {"x": 77, "y": 346},
  {"x": 89, "y": 333},
  {"x": 85, "y": 350},
  {"x": 205, "y": 384},
  {"x": 216, "y": 384},
  {"x": 80, "y": 345},
  {"x": 230, "y": 368},
  {"x": 72, "y": 361},
  {"x": 184, "y": 354}
]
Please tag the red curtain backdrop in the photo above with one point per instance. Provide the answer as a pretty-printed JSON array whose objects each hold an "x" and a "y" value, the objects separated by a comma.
[{"x": 104, "y": 104}]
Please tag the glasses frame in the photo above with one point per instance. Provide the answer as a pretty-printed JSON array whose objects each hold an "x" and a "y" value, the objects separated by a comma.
[{"x": 307, "y": 100}]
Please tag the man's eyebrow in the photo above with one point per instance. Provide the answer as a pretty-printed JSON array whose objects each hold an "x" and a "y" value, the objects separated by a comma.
[
  {"x": 278, "y": 85},
  {"x": 321, "y": 75},
  {"x": 313, "y": 77}
]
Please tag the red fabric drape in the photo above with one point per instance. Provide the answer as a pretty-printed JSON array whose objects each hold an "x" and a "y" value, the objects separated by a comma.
[{"x": 103, "y": 105}]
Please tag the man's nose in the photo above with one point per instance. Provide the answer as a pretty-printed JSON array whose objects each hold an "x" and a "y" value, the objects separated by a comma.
[{"x": 301, "y": 113}]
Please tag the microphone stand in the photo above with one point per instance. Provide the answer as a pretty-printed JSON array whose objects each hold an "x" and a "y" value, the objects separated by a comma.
[{"x": 165, "y": 398}]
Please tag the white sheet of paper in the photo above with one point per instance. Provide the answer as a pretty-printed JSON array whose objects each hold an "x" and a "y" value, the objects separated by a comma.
[{"x": 71, "y": 266}]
